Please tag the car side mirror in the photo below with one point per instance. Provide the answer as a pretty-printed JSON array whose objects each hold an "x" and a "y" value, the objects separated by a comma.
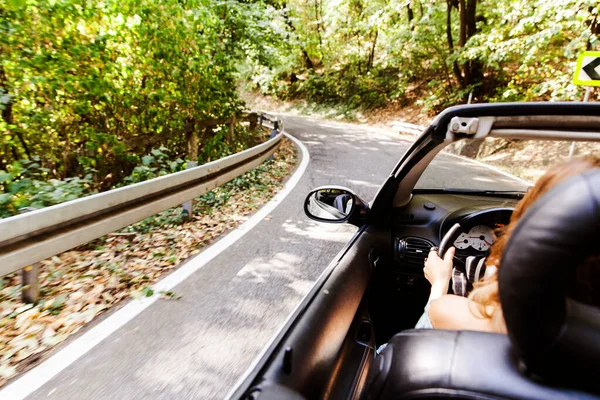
[{"x": 335, "y": 204}]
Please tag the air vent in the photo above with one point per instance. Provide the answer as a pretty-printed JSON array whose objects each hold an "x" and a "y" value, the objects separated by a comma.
[
  {"x": 412, "y": 250},
  {"x": 406, "y": 217}
]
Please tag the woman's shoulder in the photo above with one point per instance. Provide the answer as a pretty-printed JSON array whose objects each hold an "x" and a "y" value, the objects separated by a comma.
[{"x": 458, "y": 313}]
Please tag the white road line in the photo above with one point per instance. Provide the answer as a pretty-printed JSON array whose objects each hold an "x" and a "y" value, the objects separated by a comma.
[{"x": 38, "y": 376}]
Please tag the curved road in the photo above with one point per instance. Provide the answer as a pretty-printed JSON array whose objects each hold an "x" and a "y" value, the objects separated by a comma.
[{"x": 197, "y": 347}]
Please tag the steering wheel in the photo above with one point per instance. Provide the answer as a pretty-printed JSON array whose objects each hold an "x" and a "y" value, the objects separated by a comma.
[
  {"x": 493, "y": 214},
  {"x": 449, "y": 239}
]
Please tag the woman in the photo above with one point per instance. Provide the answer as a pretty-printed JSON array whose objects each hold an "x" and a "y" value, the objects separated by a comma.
[{"x": 481, "y": 311}]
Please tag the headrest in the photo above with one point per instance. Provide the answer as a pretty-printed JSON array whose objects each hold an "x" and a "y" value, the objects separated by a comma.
[{"x": 557, "y": 339}]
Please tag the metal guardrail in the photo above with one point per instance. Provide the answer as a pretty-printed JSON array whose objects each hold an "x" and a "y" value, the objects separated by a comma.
[{"x": 34, "y": 236}]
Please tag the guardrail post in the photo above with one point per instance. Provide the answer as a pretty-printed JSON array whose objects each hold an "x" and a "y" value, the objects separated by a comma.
[
  {"x": 188, "y": 207},
  {"x": 275, "y": 129},
  {"x": 273, "y": 134},
  {"x": 30, "y": 287}
]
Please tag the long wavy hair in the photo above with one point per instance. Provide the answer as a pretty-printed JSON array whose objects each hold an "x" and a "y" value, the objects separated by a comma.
[{"x": 485, "y": 293}]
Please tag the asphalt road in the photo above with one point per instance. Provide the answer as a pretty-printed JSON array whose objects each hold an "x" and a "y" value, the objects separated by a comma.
[{"x": 197, "y": 347}]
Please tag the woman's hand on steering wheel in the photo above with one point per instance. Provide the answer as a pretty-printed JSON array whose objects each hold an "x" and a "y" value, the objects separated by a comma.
[{"x": 438, "y": 272}]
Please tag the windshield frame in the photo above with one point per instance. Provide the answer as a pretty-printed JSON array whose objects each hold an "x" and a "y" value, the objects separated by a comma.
[{"x": 540, "y": 120}]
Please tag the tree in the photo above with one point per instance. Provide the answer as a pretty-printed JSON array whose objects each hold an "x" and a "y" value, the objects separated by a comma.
[
  {"x": 365, "y": 54},
  {"x": 91, "y": 87}
]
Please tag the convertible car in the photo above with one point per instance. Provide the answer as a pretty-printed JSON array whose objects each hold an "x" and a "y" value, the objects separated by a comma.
[{"x": 374, "y": 291}]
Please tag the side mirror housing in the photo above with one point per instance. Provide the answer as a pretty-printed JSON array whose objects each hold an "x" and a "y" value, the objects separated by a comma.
[{"x": 335, "y": 204}]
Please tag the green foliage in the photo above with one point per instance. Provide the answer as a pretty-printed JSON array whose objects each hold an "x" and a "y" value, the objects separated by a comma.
[
  {"x": 364, "y": 54},
  {"x": 24, "y": 187},
  {"x": 89, "y": 85},
  {"x": 157, "y": 163},
  {"x": 88, "y": 89},
  {"x": 350, "y": 88}
]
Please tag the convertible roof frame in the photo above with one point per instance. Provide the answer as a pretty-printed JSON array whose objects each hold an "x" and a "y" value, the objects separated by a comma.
[
  {"x": 540, "y": 134},
  {"x": 540, "y": 121}
]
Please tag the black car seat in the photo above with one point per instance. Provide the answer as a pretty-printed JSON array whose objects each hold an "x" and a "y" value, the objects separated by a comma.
[{"x": 552, "y": 350}]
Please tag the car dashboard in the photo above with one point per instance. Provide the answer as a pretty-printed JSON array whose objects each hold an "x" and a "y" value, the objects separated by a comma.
[
  {"x": 426, "y": 219},
  {"x": 399, "y": 287}
]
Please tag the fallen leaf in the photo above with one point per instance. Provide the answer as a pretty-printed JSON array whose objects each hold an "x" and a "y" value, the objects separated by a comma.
[{"x": 7, "y": 371}]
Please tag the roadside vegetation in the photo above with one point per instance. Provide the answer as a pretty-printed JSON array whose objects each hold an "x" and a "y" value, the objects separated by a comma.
[
  {"x": 384, "y": 61},
  {"x": 95, "y": 95}
]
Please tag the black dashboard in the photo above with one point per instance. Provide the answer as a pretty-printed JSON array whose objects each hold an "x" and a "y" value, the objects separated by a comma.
[
  {"x": 400, "y": 288},
  {"x": 426, "y": 219}
]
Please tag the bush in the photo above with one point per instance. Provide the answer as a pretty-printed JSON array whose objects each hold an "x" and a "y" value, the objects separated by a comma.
[
  {"x": 350, "y": 87},
  {"x": 23, "y": 188},
  {"x": 25, "y": 185},
  {"x": 157, "y": 163}
]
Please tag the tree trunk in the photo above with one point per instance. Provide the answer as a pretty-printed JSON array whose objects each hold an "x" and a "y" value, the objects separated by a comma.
[
  {"x": 594, "y": 29},
  {"x": 307, "y": 61},
  {"x": 192, "y": 139},
  {"x": 253, "y": 119},
  {"x": 318, "y": 18},
  {"x": 372, "y": 52},
  {"x": 231, "y": 130},
  {"x": 455, "y": 67},
  {"x": 462, "y": 13},
  {"x": 65, "y": 156},
  {"x": 470, "y": 18},
  {"x": 192, "y": 146},
  {"x": 7, "y": 116},
  {"x": 208, "y": 131},
  {"x": 410, "y": 14},
  {"x": 472, "y": 71}
]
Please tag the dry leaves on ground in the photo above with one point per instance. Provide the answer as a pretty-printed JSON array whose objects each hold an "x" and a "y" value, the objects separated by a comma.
[{"x": 77, "y": 285}]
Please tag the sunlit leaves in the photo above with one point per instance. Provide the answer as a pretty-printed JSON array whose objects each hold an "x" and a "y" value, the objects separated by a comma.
[
  {"x": 527, "y": 50},
  {"x": 97, "y": 81}
]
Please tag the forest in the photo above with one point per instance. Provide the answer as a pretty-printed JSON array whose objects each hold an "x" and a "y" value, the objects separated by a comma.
[{"x": 100, "y": 94}]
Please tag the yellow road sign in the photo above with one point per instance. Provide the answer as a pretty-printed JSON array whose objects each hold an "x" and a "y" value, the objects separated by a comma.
[{"x": 587, "y": 72}]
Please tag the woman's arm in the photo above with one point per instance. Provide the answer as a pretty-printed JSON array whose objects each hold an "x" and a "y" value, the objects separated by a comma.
[
  {"x": 438, "y": 272},
  {"x": 458, "y": 313}
]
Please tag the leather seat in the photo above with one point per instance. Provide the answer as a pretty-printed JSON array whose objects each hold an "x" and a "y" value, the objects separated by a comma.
[{"x": 552, "y": 350}]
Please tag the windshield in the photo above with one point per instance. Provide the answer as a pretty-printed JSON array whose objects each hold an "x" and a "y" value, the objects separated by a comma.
[
  {"x": 497, "y": 165},
  {"x": 447, "y": 171}
]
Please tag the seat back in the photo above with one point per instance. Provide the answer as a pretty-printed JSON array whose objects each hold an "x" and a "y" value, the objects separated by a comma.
[
  {"x": 557, "y": 338},
  {"x": 436, "y": 364}
]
